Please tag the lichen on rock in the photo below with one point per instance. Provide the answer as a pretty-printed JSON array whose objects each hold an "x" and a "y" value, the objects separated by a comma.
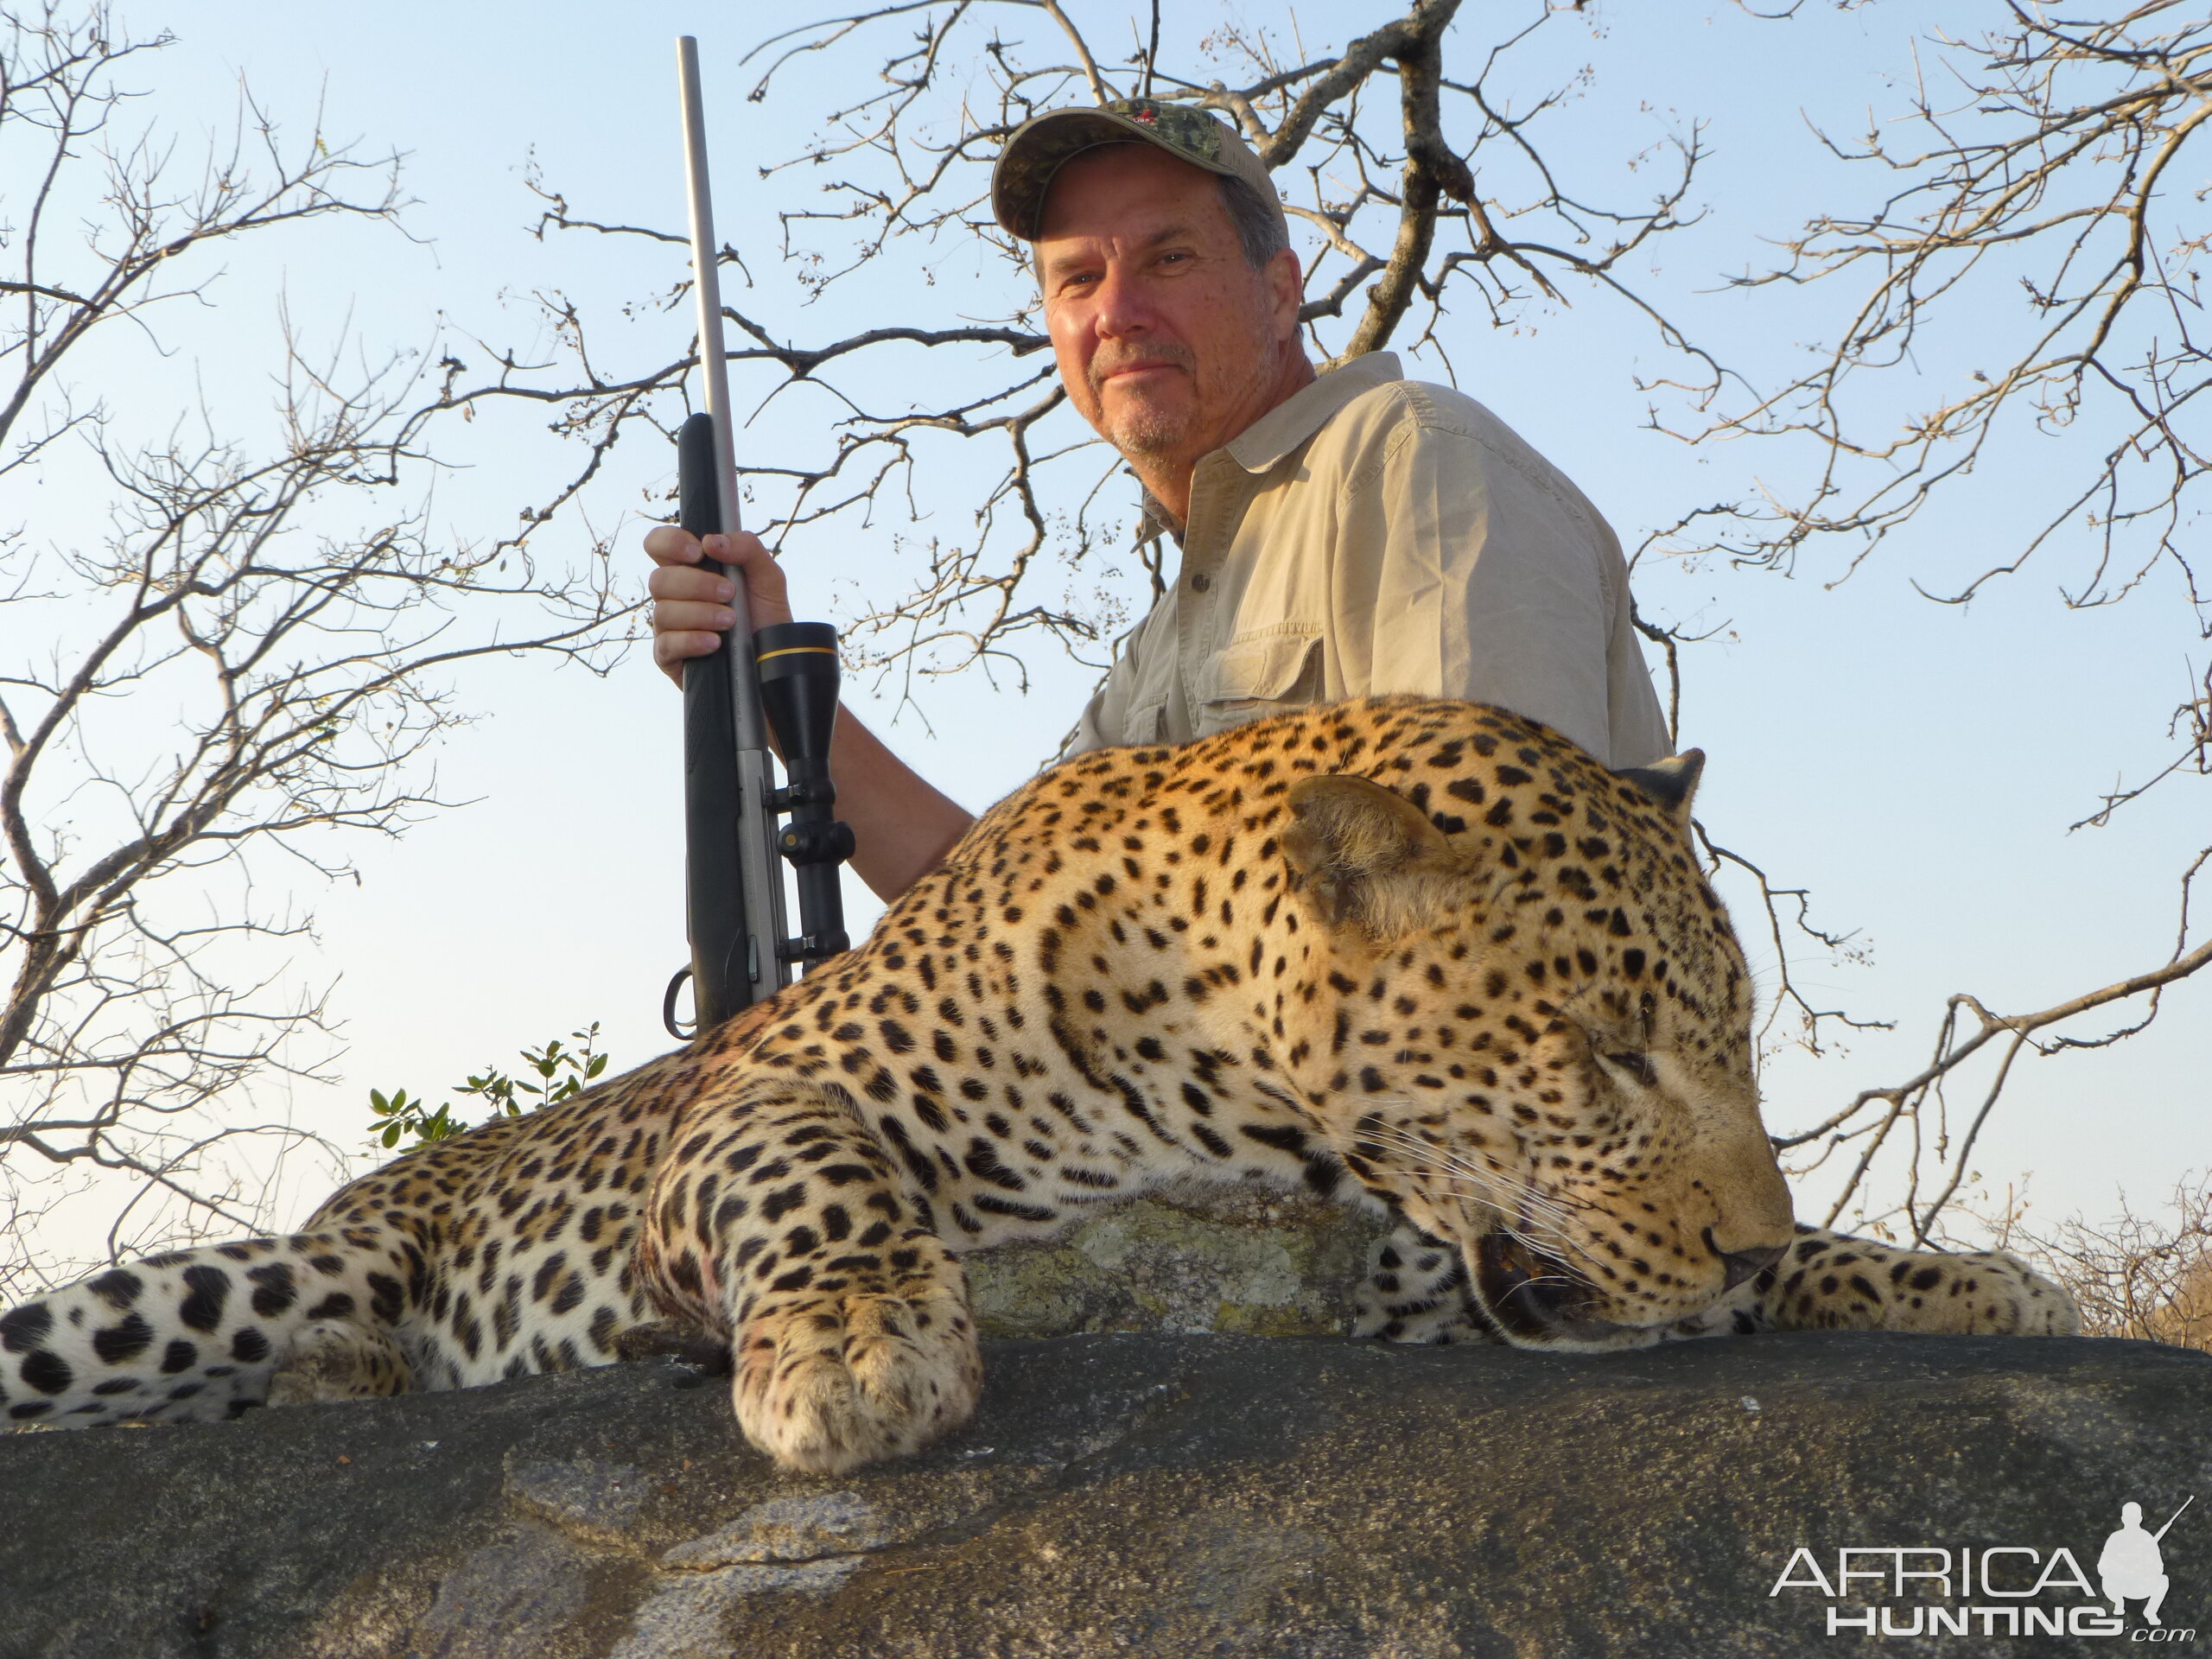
[{"x": 1246, "y": 1262}]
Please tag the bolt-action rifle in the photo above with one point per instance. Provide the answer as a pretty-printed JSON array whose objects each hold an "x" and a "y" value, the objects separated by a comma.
[{"x": 733, "y": 887}]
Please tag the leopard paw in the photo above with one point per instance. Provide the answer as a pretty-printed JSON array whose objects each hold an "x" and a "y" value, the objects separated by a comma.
[
  {"x": 2014, "y": 1299},
  {"x": 1973, "y": 1294},
  {"x": 1831, "y": 1281},
  {"x": 1415, "y": 1293},
  {"x": 828, "y": 1382}
]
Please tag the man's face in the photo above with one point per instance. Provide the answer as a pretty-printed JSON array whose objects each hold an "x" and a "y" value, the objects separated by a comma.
[{"x": 1169, "y": 343}]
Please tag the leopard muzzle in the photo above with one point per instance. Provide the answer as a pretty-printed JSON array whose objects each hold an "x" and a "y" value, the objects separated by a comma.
[{"x": 1537, "y": 1298}]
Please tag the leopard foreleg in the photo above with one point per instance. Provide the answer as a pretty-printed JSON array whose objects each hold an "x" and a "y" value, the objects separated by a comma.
[
  {"x": 781, "y": 1220},
  {"x": 1833, "y": 1281}
]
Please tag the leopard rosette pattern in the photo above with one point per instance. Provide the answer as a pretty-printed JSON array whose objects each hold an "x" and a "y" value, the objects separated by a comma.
[{"x": 1424, "y": 956}]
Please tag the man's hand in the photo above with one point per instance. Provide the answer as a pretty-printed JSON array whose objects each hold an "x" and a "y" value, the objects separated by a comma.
[
  {"x": 904, "y": 827},
  {"x": 691, "y": 607}
]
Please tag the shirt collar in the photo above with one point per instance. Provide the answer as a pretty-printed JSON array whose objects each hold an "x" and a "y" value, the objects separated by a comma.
[{"x": 1283, "y": 428}]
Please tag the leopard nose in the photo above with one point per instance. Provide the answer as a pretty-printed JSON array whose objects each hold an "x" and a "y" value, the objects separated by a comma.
[{"x": 1747, "y": 1264}]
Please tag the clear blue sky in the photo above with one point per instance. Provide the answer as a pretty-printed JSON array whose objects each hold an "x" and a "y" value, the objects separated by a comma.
[{"x": 1915, "y": 766}]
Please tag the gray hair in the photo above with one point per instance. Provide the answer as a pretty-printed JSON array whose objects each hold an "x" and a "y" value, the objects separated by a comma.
[{"x": 1260, "y": 225}]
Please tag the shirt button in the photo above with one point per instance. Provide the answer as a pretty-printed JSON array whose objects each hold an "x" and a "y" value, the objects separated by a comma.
[{"x": 1200, "y": 582}]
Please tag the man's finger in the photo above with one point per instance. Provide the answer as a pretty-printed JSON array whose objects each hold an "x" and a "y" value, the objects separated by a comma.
[
  {"x": 686, "y": 582},
  {"x": 749, "y": 553},
  {"x": 681, "y": 616},
  {"x": 671, "y": 650},
  {"x": 693, "y": 606},
  {"x": 671, "y": 544}
]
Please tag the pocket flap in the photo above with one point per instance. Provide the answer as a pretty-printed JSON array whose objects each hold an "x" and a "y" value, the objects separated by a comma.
[
  {"x": 1142, "y": 726},
  {"x": 1266, "y": 667}
]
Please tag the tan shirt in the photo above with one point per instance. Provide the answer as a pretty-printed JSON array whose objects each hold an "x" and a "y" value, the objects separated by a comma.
[{"x": 1378, "y": 535}]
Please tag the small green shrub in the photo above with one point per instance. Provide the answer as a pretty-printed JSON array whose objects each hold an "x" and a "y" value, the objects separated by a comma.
[{"x": 562, "y": 1071}]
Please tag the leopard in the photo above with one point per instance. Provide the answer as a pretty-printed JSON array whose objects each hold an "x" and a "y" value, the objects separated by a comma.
[{"x": 1424, "y": 957}]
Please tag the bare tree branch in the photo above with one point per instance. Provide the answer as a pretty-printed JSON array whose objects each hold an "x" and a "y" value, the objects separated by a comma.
[
  {"x": 2144, "y": 1277},
  {"x": 1875, "y": 1115},
  {"x": 2046, "y": 211},
  {"x": 251, "y": 656}
]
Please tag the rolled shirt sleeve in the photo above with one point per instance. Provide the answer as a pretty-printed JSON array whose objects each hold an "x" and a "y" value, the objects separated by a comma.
[
  {"x": 1130, "y": 703},
  {"x": 1098, "y": 727}
]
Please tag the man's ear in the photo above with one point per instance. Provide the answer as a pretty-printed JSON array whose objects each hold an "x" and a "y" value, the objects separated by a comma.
[
  {"x": 1671, "y": 783},
  {"x": 1286, "y": 292},
  {"x": 1368, "y": 856}
]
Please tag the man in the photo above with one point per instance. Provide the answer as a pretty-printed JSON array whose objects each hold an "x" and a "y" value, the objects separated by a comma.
[{"x": 1343, "y": 534}]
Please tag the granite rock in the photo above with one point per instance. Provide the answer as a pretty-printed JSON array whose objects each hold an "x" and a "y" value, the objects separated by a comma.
[{"x": 1144, "y": 1494}]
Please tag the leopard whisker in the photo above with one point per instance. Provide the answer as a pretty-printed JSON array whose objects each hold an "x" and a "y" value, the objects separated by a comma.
[
  {"x": 1539, "y": 1220},
  {"x": 1447, "y": 1161}
]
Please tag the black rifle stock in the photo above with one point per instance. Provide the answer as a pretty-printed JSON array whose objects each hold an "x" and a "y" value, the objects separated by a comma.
[
  {"x": 714, "y": 881},
  {"x": 733, "y": 898}
]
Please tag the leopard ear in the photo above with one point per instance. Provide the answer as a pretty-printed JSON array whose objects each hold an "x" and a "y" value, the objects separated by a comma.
[
  {"x": 1671, "y": 783},
  {"x": 1368, "y": 855}
]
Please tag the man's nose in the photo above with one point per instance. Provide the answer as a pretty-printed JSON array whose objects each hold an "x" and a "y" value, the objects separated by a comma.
[{"x": 1123, "y": 309}]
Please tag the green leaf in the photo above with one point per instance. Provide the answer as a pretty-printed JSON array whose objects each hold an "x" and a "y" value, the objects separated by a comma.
[{"x": 563, "y": 1073}]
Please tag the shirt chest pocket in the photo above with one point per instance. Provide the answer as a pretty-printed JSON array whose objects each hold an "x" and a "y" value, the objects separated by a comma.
[{"x": 1260, "y": 674}]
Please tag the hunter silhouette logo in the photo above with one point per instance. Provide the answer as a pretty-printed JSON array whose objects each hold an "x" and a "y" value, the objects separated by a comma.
[
  {"x": 2002, "y": 1590},
  {"x": 2131, "y": 1565}
]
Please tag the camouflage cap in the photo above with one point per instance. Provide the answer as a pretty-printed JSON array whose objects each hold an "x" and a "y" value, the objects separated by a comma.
[{"x": 1044, "y": 144}]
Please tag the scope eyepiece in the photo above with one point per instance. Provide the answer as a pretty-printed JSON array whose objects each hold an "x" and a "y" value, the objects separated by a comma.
[
  {"x": 802, "y": 638},
  {"x": 799, "y": 690},
  {"x": 798, "y": 664}
]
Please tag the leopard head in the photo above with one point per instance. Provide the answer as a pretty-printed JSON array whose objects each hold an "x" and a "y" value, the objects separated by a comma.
[{"x": 1531, "y": 1027}]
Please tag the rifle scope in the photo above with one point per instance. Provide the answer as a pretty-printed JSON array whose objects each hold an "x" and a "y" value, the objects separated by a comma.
[{"x": 798, "y": 663}]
